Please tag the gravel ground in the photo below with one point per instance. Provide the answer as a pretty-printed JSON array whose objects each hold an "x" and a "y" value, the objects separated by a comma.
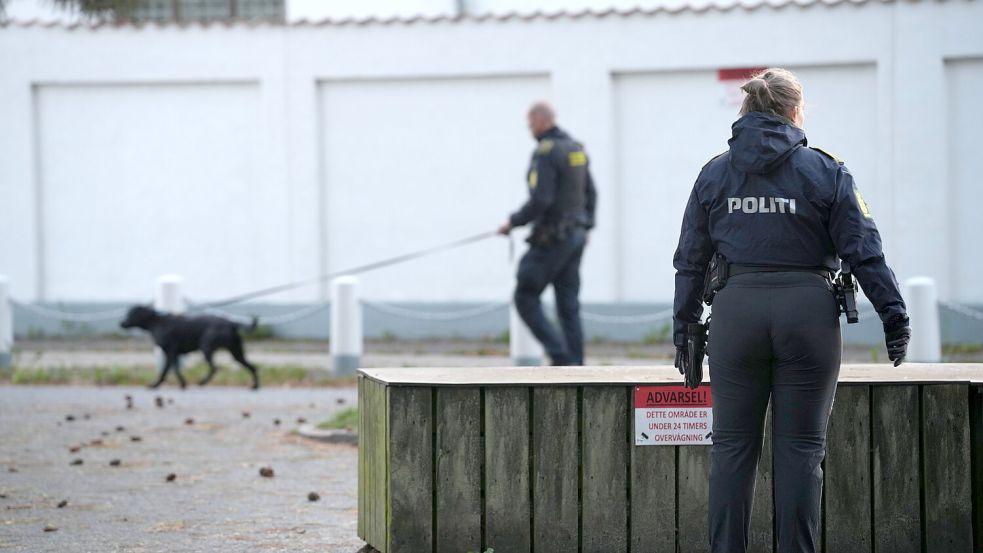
[{"x": 217, "y": 501}]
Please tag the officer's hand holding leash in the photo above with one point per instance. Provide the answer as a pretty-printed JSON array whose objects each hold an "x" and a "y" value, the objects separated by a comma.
[{"x": 897, "y": 333}]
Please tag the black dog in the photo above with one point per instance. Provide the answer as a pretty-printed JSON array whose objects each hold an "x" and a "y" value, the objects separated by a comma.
[{"x": 177, "y": 335}]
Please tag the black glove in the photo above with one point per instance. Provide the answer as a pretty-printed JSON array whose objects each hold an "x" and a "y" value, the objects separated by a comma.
[
  {"x": 897, "y": 334},
  {"x": 681, "y": 359}
]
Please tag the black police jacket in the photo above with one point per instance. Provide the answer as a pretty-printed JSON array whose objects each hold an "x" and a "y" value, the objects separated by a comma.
[
  {"x": 561, "y": 190},
  {"x": 771, "y": 200}
]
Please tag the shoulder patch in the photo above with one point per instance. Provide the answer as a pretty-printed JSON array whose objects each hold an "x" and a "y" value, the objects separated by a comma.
[
  {"x": 862, "y": 204},
  {"x": 711, "y": 159},
  {"x": 578, "y": 158},
  {"x": 545, "y": 147},
  {"x": 827, "y": 154}
]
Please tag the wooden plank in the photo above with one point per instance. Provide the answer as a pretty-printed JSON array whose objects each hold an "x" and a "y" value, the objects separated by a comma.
[
  {"x": 366, "y": 412},
  {"x": 847, "y": 472},
  {"x": 367, "y": 455},
  {"x": 361, "y": 457},
  {"x": 976, "y": 438},
  {"x": 762, "y": 534},
  {"x": 377, "y": 470},
  {"x": 947, "y": 474},
  {"x": 638, "y": 375},
  {"x": 371, "y": 454},
  {"x": 897, "y": 513},
  {"x": 458, "y": 458},
  {"x": 653, "y": 499},
  {"x": 694, "y": 488},
  {"x": 555, "y": 469},
  {"x": 507, "y": 491},
  {"x": 604, "y": 438},
  {"x": 410, "y": 424}
]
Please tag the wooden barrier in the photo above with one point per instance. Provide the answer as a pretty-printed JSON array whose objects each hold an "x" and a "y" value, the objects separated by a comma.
[{"x": 543, "y": 460}]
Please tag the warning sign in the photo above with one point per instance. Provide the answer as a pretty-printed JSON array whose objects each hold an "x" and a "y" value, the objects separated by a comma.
[{"x": 673, "y": 415}]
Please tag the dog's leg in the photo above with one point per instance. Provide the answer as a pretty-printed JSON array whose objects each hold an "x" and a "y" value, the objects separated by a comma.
[
  {"x": 168, "y": 361},
  {"x": 235, "y": 348},
  {"x": 208, "y": 351},
  {"x": 177, "y": 371}
]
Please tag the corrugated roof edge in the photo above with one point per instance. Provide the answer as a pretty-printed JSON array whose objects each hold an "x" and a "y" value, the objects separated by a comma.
[{"x": 692, "y": 7}]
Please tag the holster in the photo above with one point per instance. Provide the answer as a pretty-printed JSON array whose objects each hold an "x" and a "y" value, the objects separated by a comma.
[
  {"x": 716, "y": 277},
  {"x": 696, "y": 348},
  {"x": 846, "y": 294}
]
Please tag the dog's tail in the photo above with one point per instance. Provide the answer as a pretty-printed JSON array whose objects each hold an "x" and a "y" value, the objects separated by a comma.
[{"x": 253, "y": 323}]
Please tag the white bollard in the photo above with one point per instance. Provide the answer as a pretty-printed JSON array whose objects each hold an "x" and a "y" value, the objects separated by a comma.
[
  {"x": 168, "y": 300},
  {"x": 168, "y": 297},
  {"x": 525, "y": 349},
  {"x": 346, "y": 326},
  {"x": 922, "y": 299},
  {"x": 6, "y": 324}
]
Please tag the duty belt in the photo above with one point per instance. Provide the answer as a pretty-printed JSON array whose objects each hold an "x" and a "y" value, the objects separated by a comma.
[{"x": 736, "y": 269}]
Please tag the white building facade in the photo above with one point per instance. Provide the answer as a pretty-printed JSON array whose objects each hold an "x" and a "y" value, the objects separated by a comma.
[{"x": 243, "y": 156}]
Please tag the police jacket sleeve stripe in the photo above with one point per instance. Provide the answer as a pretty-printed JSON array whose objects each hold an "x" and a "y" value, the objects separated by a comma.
[
  {"x": 541, "y": 196},
  {"x": 691, "y": 260},
  {"x": 857, "y": 241}
]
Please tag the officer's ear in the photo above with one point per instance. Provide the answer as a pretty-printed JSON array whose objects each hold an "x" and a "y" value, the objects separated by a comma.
[{"x": 797, "y": 115}]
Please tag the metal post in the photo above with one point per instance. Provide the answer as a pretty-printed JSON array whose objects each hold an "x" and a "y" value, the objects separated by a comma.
[
  {"x": 525, "y": 350},
  {"x": 922, "y": 299},
  {"x": 6, "y": 324},
  {"x": 346, "y": 326}
]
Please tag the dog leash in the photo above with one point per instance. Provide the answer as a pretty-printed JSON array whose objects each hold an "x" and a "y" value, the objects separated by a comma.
[{"x": 356, "y": 270}]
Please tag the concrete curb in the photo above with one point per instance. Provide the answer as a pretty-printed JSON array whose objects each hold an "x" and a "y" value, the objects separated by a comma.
[{"x": 332, "y": 436}]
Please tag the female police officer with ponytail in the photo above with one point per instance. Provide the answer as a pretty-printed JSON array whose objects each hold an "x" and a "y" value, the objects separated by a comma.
[{"x": 779, "y": 216}]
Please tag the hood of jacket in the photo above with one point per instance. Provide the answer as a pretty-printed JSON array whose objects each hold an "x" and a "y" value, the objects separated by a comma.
[{"x": 760, "y": 142}]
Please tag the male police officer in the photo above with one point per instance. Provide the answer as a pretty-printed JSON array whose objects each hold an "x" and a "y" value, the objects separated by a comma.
[{"x": 561, "y": 207}]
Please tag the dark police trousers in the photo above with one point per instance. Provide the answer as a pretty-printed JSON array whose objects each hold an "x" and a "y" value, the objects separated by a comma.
[
  {"x": 774, "y": 334},
  {"x": 559, "y": 265}
]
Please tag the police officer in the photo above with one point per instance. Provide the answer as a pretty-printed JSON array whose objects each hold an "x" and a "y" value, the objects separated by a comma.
[
  {"x": 561, "y": 208},
  {"x": 782, "y": 215}
]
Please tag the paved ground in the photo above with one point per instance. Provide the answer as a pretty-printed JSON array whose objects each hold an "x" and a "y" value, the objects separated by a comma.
[{"x": 218, "y": 501}]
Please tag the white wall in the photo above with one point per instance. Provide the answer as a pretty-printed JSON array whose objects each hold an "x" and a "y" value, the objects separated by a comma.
[
  {"x": 184, "y": 187},
  {"x": 393, "y": 186},
  {"x": 288, "y": 151},
  {"x": 964, "y": 86}
]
